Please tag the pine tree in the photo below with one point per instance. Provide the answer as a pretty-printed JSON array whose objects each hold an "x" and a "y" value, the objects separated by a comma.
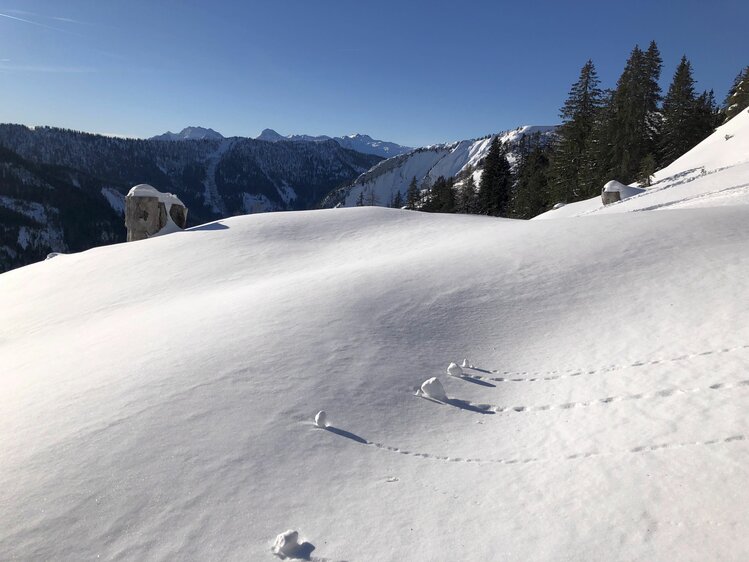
[
  {"x": 633, "y": 123},
  {"x": 531, "y": 194},
  {"x": 496, "y": 181},
  {"x": 360, "y": 199},
  {"x": 372, "y": 199},
  {"x": 737, "y": 99},
  {"x": 466, "y": 200},
  {"x": 648, "y": 166},
  {"x": 683, "y": 126},
  {"x": 572, "y": 152},
  {"x": 652, "y": 97},
  {"x": 412, "y": 194},
  {"x": 397, "y": 200}
]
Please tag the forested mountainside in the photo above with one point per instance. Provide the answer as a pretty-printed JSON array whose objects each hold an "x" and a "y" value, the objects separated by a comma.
[{"x": 53, "y": 174}]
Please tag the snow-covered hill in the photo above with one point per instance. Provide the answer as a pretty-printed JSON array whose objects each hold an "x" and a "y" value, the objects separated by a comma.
[
  {"x": 358, "y": 142},
  {"x": 157, "y": 397},
  {"x": 190, "y": 133},
  {"x": 385, "y": 179}
]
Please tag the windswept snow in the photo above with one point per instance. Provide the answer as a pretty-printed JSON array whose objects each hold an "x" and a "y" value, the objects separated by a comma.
[{"x": 158, "y": 397}]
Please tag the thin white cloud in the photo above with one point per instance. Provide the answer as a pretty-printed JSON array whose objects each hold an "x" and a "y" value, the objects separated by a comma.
[
  {"x": 32, "y": 22},
  {"x": 46, "y": 69}
]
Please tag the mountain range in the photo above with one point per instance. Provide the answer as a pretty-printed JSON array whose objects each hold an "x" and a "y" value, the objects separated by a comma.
[{"x": 361, "y": 143}]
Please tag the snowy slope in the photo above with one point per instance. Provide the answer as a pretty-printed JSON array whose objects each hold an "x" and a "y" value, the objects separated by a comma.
[
  {"x": 158, "y": 396},
  {"x": 358, "y": 142},
  {"x": 425, "y": 164},
  {"x": 713, "y": 173}
]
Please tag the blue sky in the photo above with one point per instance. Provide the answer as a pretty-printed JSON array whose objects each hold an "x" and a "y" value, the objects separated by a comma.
[{"x": 412, "y": 72}]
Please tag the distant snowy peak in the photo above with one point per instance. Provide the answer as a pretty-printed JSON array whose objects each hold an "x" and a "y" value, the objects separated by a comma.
[
  {"x": 358, "y": 142},
  {"x": 190, "y": 133}
]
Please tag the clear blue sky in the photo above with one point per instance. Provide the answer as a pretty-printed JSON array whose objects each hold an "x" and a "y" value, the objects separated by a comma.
[{"x": 414, "y": 72}]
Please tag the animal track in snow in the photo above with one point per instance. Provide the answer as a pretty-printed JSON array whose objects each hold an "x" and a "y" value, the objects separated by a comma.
[
  {"x": 663, "y": 393},
  {"x": 540, "y": 376},
  {"x": 510, "y": 461}
]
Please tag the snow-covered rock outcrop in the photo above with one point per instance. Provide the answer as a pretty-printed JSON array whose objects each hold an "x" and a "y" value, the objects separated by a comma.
[
  {"x": 149, "y": 212},
  {"x": 615, "y": 191}
]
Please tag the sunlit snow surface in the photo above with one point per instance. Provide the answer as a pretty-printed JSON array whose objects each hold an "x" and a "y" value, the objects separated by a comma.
[{"x": 158, "y": 397}]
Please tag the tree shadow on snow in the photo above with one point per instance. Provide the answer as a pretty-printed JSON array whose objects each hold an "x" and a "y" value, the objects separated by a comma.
[{"x": 346, "y": 434}]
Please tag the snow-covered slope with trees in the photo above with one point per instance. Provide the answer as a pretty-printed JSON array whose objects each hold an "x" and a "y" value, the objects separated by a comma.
[
  {"x": 361, "y": 143},
  {"x": 715, "y": 172},
  {"x": 380, "y": 184},
  {"x": 158, "y": 397}
]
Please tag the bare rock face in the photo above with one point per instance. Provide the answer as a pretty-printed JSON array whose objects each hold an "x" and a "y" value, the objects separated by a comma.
[{"x": 148, "y": 212}]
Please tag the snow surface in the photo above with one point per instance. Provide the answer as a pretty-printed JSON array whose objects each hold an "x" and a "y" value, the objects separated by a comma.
[{"x": 158, "y": 397}]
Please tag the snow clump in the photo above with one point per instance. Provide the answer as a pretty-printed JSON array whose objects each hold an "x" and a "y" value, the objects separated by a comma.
[
  {"x": 454, "y": 371},
  {"x": 433, "y": 388},
  {"x": 321, "y": 419}
]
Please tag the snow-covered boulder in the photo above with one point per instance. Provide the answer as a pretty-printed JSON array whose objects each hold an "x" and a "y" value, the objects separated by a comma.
[
  {"x": 615, "y": 191},
  {"x": 432, "y": 388},
  {"x": 321, "y": 419},
  {"x": 149, "y": 212},
  {"x": 454, "y": 370}
]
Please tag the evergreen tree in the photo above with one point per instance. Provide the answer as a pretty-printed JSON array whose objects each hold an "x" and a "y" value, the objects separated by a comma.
[
  {"x": 648, "y": 167},
  {"x": 737, "y": 99},
  {"x": 687, "y": 119},
  {"x": 360, "y": 199},
  {"x": 412, "y": 194},
  {"x": 572, "y": 163},
  {"x": 466, "y": 199},
  {"x": 397, "y": 200},
  {"x": 496, "y": 181},
  {"x": 372, "y": 199},
  {"x": 633, "y": 123},
  {"x": 442, "y": 197},
  {"x": 652, "y": 97},
  {"x": 531, "y": 194}
]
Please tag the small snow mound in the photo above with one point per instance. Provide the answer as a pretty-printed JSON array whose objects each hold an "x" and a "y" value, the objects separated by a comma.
[
  {"x": 465, "y": 364},
  {"x": 623, "y": 190},
  {"x": 454, "y": 370},
  {"x": 558, "y": 206},
  {"x": 321, "y": 419},
  {"x": 52, "y": 255},
  {"x": 433, "y": 388}
]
